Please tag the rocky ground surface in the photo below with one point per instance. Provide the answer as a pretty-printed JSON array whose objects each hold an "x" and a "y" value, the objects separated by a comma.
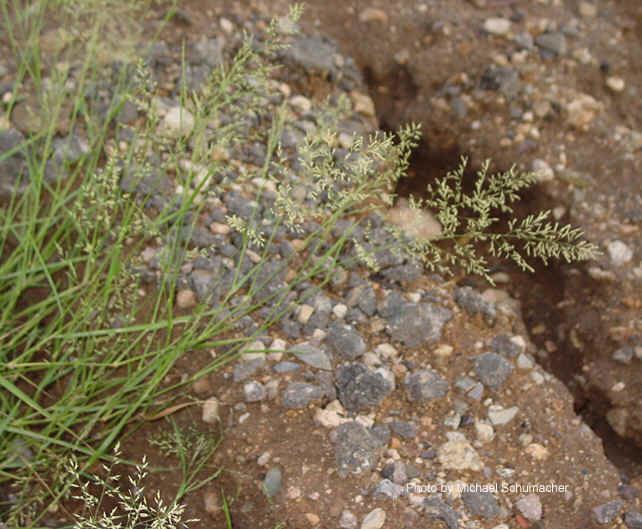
[{"x": 382, "y": 396}]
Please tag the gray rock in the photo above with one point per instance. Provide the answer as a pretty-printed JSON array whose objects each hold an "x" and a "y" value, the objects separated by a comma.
[
  {"x": 469, "y": 387},
  {"x": 481, "y": 504},
  {"x": 396, "y": 472},
  {"x": 314, "y": 54},
  {"x": 437, "y": 509},
  {"x": 254, "y": 391},
  {"x": 345, "y": 341},
  {"x": 381, "y": 432},
  {"x": 246, "y": 368},
  {"x": 524, "y": 40},
  {"x": 357, "y": 450},
  {"x": 633, "y": 519},
  {"x": 311, "y": 355},
  {"x": 210, "y": 51},
  {"x": 530, "y": 506},
  {"x": 502, "y": 79},
  {"x": 553, "y": 43},
  {"x": 424, "y": 385},
  {"x": 13, "y": 168},
  {"x": 474, "y": 303},
  {"x": 492, "y": 369},
  {"x": 624, "y": 355},
  {"x": 407, "y": 430},
  {"x": 368, "y": 301},
  {"x": 360, "y": 388},
  {"x": 504, "y": 344},
  {"x": 607, "y": 512},
  {"x": 300, "y": 394},
  {"x": 348, "y": 520},
  {"x": 389, "y": 489},
  {"x": 286, "y": 367},
  {"x": 418, "y": 324},
  {"x": 273, "y": 482}
]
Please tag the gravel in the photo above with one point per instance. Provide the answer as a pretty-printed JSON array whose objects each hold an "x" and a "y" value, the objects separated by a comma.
[
  {"x": 345, "y": 341},
  {"x": 254, "y": 391},
  {"x": 607, "y": 512},
  {"x": 492, "y": 369},
  {"x": 425, "y": 385},
  {"x": 474, "y": 303},
  {"x": 437, "y": 509},
  {"x": 418, "y": 324},
  {"x": 300, "y": 394},
  {"x": 552, "y": 43},
  {"x": 481, "y": 503},
  {"x": 633, "y": 519},
  {"x": 211, "y": 412},
  {"x": 388, "y": 489},
  {"x": 357, "y": 449},
  {"x": 312, "y": 356},
  {"x": 273, "y": 482},
  {"x": 361, "y": 388},
  {"x": 374, "y": 519},
  {"x": 458, "y": 454},
  {"x": 530, "y": 506}
]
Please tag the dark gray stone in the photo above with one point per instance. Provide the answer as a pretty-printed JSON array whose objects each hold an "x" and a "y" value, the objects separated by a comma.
[
  {"x": 553, "y": 43},
  {"x": 492, "y": 369},
  {"x": 254, "y": 391},
  {"x": 311, "y": 355},
  {"x": 633, "y": 519},
  {"x": 13, "y": 168},
  {"x": 624, "y": 355},
  {"x": 246, "y": 368},
  {"x": 469, "y": 387},
  {"x": 396, "y": 472},
  {"x": 418, "y": 324},
  {"x": 607, "y": 512},
  {"x": 388, "y": 489},
  {"x": 481, "y": 504},
  {"x": 474, "y": 303},
  {"x": 425, "y": 385},
  {"x": 407, "y": 430},
  {"x": 300, "y": 394},
  {"x": 357, "y": 450},
  {"x": 368, "y": 301},
  {"x": 359, "y": 388},
  {"x": 502, "y": 344},
  {"x": 286, "y": 367},
  {"x": 437, "y": 509},
  {"x": 345, "y": 341},
  {"x": 273, "y": 482},
  {"x": 313, "y": 54},
  {"x": 502, "y": 79}
]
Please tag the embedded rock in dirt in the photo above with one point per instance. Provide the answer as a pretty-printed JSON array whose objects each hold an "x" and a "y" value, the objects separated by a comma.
[
  {"x": 357, "y": 449},
  {"x": 418, "y": 324},
  {"x": 361, "y": 388}
]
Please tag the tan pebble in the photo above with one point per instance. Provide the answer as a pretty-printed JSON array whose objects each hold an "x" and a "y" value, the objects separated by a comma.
[
  {"x": 615, "y": 83},
  {"x": 537, "y": 451},
  {"x": 372, "y": 14},
  {"x": 186, "y": 299},
  {"x": 210, "y": 413},
  {"x": 211, "y": 502},
  {"x": 363, "y": 103},
  {"x": 202, "y": 386},
  {"x": 587, "y": 9},
  {"x": 219, "y": 229},
  {"x": 312, "y": 518},
  {"x": 304, "y": 313}
]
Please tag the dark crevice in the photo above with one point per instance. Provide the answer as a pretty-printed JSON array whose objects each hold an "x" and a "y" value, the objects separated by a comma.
[{"x": 541, "y": 293}]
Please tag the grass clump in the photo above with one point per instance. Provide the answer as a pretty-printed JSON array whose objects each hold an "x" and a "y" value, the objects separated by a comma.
[{"x": 88, "y": 338}]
